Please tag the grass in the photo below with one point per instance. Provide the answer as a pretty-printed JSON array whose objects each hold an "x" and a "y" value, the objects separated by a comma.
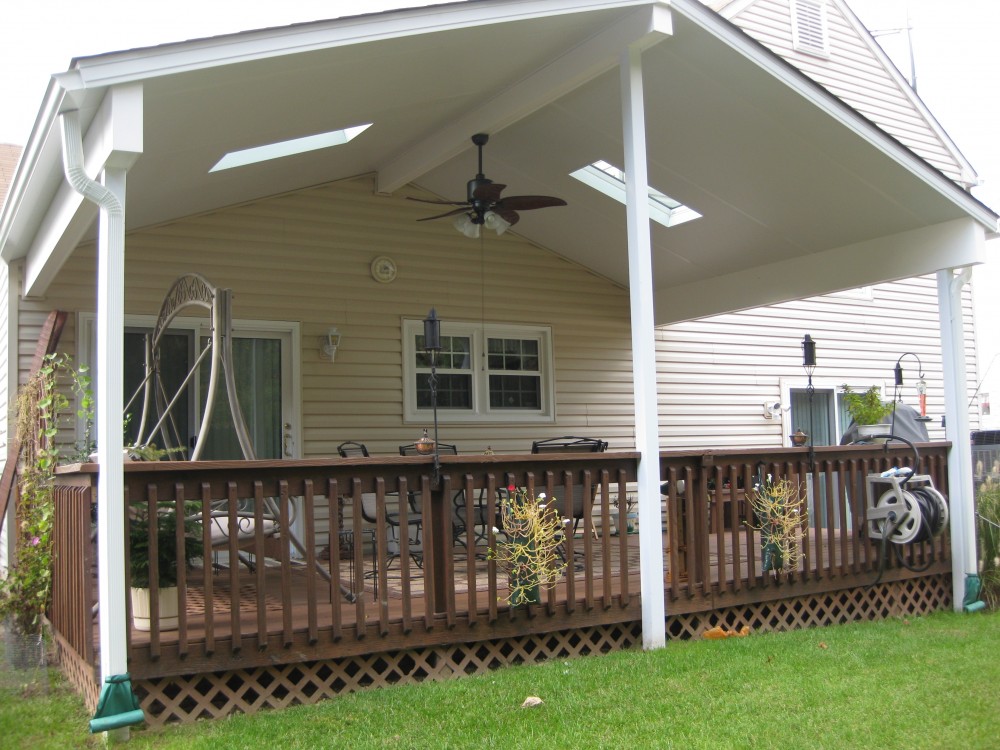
[{"x": 927, "y": 682}]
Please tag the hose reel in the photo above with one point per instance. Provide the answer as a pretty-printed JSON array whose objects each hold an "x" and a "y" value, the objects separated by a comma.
[{"x": 910, "y": 510}]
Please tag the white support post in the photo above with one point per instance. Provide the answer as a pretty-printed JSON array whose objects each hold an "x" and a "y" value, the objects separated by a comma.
[
  {"x": 110, "y": 438},
  {"x": 956, "y": 407},
  {"x": 109, "y": 195},
  {"x": 640, "y": 269}
]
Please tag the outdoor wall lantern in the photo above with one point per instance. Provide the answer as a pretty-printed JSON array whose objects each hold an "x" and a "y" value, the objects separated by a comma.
[{"x": 328, "y": 345}]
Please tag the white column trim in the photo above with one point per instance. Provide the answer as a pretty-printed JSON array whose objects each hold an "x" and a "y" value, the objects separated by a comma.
[
  {"x": 960, "y": 486},
  {"x": 640, "y": 271}
]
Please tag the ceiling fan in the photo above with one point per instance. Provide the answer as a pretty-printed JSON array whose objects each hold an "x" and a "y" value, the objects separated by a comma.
[{"x": 484, "y": 206}]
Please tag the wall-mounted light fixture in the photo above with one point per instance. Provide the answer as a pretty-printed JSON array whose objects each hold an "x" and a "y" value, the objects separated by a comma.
[
  {"x": 328, "y": 345},
  {"x": 772, "y": 410}
]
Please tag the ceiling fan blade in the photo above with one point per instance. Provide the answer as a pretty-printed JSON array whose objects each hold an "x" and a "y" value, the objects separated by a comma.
[
  {"x": 489, "y": 192},
  {"x": 527, "y": 202},
  {"x": 509, "y": 216},
  {"x": 449, "y": 213},
  {"x": 438, "y": 203}
]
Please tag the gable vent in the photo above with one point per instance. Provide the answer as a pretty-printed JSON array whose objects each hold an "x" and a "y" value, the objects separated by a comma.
[{"x": 809, "y": 25}]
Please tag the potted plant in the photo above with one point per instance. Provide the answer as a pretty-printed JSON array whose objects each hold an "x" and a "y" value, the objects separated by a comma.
[
  {"x": 529, "y": 551},
  {"x": 140, "y": 537},
  {"x": 867, "y": 410},
  {"x": 780, "y": 515}
]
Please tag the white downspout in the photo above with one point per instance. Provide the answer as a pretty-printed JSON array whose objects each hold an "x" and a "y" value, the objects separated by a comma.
[
  {"x": 640, "y": 273},
  {"x": 110, "y": 197},
  {"x": 960, "y": 485}
]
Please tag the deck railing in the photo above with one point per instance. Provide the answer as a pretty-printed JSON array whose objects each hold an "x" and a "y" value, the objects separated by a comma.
[{"x": 344, "y": 588}]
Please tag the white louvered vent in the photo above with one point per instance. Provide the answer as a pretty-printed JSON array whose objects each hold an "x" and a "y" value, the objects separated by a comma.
[{"x": 809, "y": 24}]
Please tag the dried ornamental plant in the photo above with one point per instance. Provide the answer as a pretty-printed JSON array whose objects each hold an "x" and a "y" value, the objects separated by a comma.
[{"x": 532, "y": 532}]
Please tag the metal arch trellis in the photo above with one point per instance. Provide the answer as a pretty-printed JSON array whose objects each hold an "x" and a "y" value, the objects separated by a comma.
[{"x": 192, "y": 290}]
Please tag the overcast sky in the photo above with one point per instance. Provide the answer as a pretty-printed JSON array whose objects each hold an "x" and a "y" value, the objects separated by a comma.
[{"x": 956, "y": 49}]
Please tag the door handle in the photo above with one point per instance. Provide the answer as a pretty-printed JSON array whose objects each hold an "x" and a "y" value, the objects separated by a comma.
[{"x": 286, "y": 439}]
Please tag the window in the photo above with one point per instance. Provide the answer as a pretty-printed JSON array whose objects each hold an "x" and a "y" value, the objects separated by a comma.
[
  {"x": 610, "y": 180},
  {"x": 493, "y": 373},
  {"x": 809, "y": 26}
]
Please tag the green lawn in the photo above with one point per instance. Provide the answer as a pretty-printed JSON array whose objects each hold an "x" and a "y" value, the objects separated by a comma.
[{"x": 913, "y": 683}]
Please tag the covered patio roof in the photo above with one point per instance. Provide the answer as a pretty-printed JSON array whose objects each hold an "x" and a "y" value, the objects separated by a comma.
[{"x": 798, "y": 194}]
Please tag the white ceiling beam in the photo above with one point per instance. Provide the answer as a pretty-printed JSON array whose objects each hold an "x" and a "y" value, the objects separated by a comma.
[
  {"x": 951, "y": 244},
  {"x": 114, "y": 139},
  {"x": 598, "y": 54}
]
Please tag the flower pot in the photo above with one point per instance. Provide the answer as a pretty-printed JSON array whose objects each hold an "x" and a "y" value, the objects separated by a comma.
[
  {"x": 868, "y": 431},
  {"x": 632, "y": 522},
  {"x": 141, "y": 608}
]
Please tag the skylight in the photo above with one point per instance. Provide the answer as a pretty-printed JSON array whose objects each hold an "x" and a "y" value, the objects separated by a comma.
[
  {"x": 610, "y": 180},
  {"x": 288, "y": 148}
]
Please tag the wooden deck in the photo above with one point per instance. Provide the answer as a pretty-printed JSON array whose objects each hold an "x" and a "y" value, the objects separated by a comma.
[{"x": 286, "y": 616}]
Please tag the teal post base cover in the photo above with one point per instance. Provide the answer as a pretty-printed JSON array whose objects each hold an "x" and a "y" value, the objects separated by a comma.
[
  {"x": 973, "y": 586},
  {"x": 117, "y": 707}
]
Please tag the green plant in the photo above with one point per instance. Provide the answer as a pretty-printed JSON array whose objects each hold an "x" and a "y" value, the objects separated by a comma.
[
  {"x": 529, "y": 552},
  {"x": 166, "y": 521},
  {"x": 780, "y": 513},
  {"x": 988, "y": 517},
  {"x": 40, "y": 409},
  {"x": 866, "y": 407}
]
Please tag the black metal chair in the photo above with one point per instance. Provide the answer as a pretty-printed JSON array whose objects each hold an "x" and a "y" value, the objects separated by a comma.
[
  {"x": 573, "y": 444},
  {"x": 369, "y": 512},
  {"x": 578, "y": 508}
]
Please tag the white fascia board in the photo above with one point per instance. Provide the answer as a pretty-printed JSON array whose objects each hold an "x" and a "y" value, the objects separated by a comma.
[
  {"x": 951, "y": 244},
  {"x": 809, "y": 90},
  {"x": 169, "y": 59},
  {"x": 642, "y": 28},
  {"x": 14, "y": 207},
  {"x": 114, "y": 140}
]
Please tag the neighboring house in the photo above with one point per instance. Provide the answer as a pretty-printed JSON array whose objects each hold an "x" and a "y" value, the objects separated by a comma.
[
  {"x": 716, "y": 373},
  {"x": 765, "y": 188}
]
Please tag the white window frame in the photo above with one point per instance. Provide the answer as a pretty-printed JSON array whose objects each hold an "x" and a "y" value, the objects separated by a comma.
[{"x": 480, "y": 411}]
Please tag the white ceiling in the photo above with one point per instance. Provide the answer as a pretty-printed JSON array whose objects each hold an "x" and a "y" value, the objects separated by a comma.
[{"x": 783, "y": 174}]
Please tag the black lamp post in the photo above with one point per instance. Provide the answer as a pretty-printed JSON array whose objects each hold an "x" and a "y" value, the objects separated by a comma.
[
  {"x": 921, "y": 383},
  {"x": 809, "y": 365},
  {"x": 432, "y": 345}
]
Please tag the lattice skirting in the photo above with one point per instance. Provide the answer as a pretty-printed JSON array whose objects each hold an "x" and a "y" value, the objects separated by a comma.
[
  {"x": 184, "y": 699},
  {"x": 915, "y": 596},
  {"x": 78, "y": 673}
]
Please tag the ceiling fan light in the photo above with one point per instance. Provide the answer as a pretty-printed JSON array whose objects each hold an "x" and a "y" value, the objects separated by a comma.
[
  {"x": 464, "y": 224},
  {"x": 495, "y": 222}
]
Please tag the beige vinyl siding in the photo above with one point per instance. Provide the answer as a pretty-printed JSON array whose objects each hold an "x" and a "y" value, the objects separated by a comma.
[
  {"x": 6, "y": 373},
  {"x": 715, "y": 373},
  {"x": 853, "y": 73},
  {"x": 305, "y": 257}
]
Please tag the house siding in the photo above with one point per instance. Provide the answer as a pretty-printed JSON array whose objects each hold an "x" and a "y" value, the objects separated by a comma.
[
  {"x": 305, "y": 257},
  {"x": 716, "y": 373},
  {"x": 854, "y": 73}
]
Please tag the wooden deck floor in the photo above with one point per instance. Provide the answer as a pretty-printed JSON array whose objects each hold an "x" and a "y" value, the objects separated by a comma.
[{"x": 268, "y": 604}]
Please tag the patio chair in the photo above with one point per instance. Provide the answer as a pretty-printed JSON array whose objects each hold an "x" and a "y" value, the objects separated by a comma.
[
  {"x": 572, "y": 444},
  {"x": 579, "y": 507},
  {"x": 369, "y": 512}
]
